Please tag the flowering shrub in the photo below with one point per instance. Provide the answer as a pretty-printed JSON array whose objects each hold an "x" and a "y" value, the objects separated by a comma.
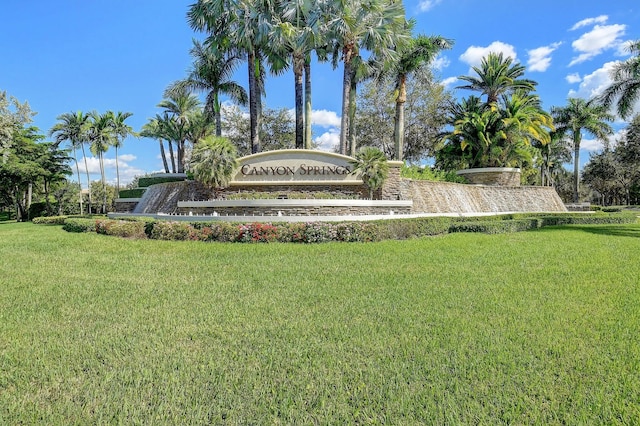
[
  {"x": 257, "y": 233},
  {"x": 179, "y": 231},
  {"x": 121, "y": 228}
]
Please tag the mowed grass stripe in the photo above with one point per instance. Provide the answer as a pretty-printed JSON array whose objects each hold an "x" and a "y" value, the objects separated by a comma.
[{"x": 536, "y": 327}]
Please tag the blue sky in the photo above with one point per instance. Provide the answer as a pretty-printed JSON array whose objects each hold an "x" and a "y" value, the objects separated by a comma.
[{"x": 69, "y": 55}]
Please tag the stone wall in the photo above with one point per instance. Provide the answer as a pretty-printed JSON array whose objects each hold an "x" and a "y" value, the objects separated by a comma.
[
  {"x": 495, "y": 176},
  {"x": 294, "y": 211}
]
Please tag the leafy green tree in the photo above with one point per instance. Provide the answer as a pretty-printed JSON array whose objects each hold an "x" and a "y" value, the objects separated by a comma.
[
  {"x": 212, "y": 73},
  {"x": 551, "y": 157},
  {"x": 624, "y": 91},
  {"x": 577, "y": 116},
  {"x": 277, "y": 130},
  {"x": 425, "y": 115},
  {"x": 372, "y": 165},
  {"x": 71, "y": 127},
  {"x": 418, "y": 53},
  {"x": 497, "y": 75},
  {"x": 214, "y": 162}
]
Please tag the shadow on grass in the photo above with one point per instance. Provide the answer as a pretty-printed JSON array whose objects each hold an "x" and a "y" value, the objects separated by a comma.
[{"x": 612, "y": 230}]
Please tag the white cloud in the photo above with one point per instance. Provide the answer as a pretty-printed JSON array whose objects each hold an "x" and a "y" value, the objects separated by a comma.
[
  {"x": 126, "y": 157},
  {"x": 449, "y": 81},
  {"x": 440, "y": 63},
  {"x": 593, "y": 84},
  {"x": 328, "y": 141},
  {"x": 591, "y": 145},
  {"x": 573, "y": 78},
  {"x": 540, "y": 58},
  {"x": 596, "y": 41},
  {"x": 426, "y": 5},
  {"x": 585, "y": 22},
  {"x": 474, "y": 54},
  {"x": 325, "y": 118}
]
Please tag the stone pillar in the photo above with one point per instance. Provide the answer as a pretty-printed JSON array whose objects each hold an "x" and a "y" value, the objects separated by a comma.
[{"x": 391, "y": 189}]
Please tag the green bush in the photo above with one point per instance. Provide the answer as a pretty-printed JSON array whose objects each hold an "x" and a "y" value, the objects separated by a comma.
[
  {"x": 132, "y": 193},
  {"x": 121, "y": 228},
  {"x": 496, "y": 227},
  {"x": 78, "y": 224},
  {"x": 145, "y": 182},
  {"x": 49, "y": 220}
]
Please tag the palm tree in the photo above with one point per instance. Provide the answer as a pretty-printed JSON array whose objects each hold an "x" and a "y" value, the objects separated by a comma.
[
  {"x": 241, "y": 25},
  {"x": 294, "y": 30},
  {"x": 100, "y": 136},
  {"x": 577, "y": 116},
  {"x": 152, "y": 129},
  {"x": 552, "y": 156},
  {"x": 377, "y": 26},
  {"x": 71, "y": 127},
  {"x": 626, "y": 84},
  {"x": 497, "y": 75},
  {"x": 120, "y": 131},
  {"x": 179, "y": 104},
  {"x": 214, "y": 162},
  {"x": 373, "y": 167},
  {"x": 211, "y": 73},
  {"x": 419, "y": 52}
]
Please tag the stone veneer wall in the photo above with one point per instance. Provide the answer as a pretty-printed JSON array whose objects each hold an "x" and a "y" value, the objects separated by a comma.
[
  {"x": 294, "y": 211},
  {"x": 498, "y": 176},
  {"x": 445, "y": 197}
]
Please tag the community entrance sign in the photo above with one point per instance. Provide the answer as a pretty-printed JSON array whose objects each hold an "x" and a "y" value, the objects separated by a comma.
[{"x": 295, "y": 167}]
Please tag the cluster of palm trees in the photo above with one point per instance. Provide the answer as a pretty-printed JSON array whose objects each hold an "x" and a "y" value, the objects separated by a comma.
[
  {"x": 100, "y": 132},
  {"x": 369, "y": 37},
  {"x": 510, "y": 128},
  {"x": 498, "y": 131}
]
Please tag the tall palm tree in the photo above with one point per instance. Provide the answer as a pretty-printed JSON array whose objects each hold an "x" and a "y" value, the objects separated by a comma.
[
  {"x": 100, "y": 136},
  {"x": 241, "y": 25},
  {"x": 377, "y": 26},
  {"x": 120, "y": 130},
  {"x": 211, "y": 73},
  {"x": 180, "y": 104},
  {"x": 577, "y": 116},
  {"x": 295, "y": 31},
  {"x": 625, "y": 87},
  {"x": 152, "y": 129},
  {"x": 214, "y": 162},
  {"x": 71, "y": 127},
  {"x": 419, "y": 52},
  {"x": 497, "y": 75}
]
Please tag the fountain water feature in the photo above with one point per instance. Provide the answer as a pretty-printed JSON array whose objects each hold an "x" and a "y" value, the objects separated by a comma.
[{"x": 163, "y": 197}]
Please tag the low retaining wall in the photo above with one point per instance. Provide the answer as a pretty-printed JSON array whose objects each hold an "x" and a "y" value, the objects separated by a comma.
[{"x": 284, "y": 207}]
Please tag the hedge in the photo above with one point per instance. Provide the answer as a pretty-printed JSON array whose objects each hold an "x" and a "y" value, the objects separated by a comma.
[
  {"x": 132, "y": 193},
  {"x": 319, "y": 232},
  {"x": 145, "y": 182}
]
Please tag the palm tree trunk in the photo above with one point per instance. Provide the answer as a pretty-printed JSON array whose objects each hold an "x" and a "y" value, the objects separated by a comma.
[
  {"x": 164, "y": 156},
  {"x": 351, "y": 138},
  {"x": 298, "y": 70},
  {"x": 254, "y": 93},
  {"x": 86, "y": 168},
  {"x": 104, "y": 183},
  {"x": 398, "y": 131},
  {"x": 173, "y": 158},
  {"x": 217, "y": 113},
  {"x": 75, "y": 157},
  {"x": 307, "y": 102},
  {"x": 576, "y": 166},
  {"x": 346, "y": 89},
  {"x": 117, "y": 174},
  {"x": 181, "y": 156}
]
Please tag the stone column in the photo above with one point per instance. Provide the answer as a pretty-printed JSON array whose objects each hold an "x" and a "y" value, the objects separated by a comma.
[{"x": 391, "y": 189}]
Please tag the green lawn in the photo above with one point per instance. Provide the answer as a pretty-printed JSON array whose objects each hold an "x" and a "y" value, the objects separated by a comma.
[{"x": 526, "y": 328}]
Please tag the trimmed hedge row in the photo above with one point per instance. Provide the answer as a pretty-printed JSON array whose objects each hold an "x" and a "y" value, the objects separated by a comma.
[
  {"x": 58, "y": 220},
  {"x": 145, "y": 182},
  {"x": 318, "y": 232},
  {"x": 131, "y": 193}
]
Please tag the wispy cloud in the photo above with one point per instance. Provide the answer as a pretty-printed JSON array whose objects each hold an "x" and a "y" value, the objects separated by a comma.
[
  {"x": 596, "y": 41},
  {"x": 589, "y": 21},
  {"x": 573, "y": 78},
  {"x": 325, "y": 118},
  {"x": 440, "y": 63},
  {"x": 426, "y": 5},
  {"x": 449, "y": 81},
  {"x": 593, "y": 84},
  {"x": 540, "y": 58}
]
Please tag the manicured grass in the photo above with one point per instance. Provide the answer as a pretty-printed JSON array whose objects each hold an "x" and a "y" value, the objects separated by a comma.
[{"x": 527, "y": 328}]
